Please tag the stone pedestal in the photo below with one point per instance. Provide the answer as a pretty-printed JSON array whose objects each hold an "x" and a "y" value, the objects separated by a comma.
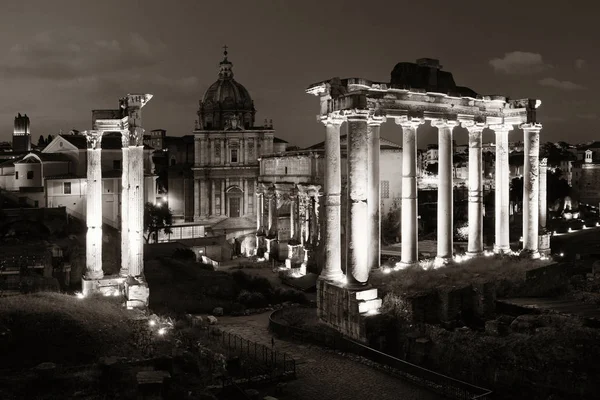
[
  {"x": 109, "y": 285},
  {"x": 544, "y": 244},
  {"x": 295, "y": 255},
  {"x": 271, "y": 248},
  {"x": 346, "y": 310},
  {"x": 136, "y": 292}
]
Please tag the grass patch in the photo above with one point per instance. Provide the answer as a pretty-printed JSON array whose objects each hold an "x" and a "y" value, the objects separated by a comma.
[
  {"x": 474, "y": 271},
  {"x": 63, "y": 329}
]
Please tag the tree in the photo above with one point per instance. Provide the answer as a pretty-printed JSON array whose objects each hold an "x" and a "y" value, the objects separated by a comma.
[
  {"x": 41, "y": 141},
  {"x": 49, "y": 139},
  {"x": 156, "y": 218}
]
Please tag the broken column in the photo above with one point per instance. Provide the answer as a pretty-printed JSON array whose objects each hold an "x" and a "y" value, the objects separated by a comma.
[
  {"x": 357, "y": 271},
  {"x": 93, "y": 249},
  {"x": 124, "y": 271},
  {"x": 374, "y": 194},
  {"x": 409, "y": 224},
  {"x": 332, "y": 269},
  {"x": 445, "y": 208},
  {"x": 531, "y": 189},
  {"x": 475, "y": 187},
  {"x": 502, "y": 188}
]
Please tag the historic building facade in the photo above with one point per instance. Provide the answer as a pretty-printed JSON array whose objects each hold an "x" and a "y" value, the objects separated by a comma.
[{"x": 227, "y": 147}]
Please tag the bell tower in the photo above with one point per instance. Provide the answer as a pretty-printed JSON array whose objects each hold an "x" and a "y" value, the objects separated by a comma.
[{"x": 21, "y": 134}]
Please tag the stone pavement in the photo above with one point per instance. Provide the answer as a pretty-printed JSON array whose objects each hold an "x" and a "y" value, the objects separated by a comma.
[{"x": 323, "y": 374}]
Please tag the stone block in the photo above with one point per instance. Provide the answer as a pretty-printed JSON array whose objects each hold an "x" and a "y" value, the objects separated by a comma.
[
  {"x": 211, "y": 320},
  {"x": 369, "y": 305},
  {"x": 368, "y": 294}
]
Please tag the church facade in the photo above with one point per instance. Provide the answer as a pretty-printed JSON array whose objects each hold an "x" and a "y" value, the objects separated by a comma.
[{"x": 227, "y": 147}]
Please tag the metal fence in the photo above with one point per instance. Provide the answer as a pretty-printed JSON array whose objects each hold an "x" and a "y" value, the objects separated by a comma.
[
  {"x": 268, "y": 363},
  {"x": 442, "y": 384}
]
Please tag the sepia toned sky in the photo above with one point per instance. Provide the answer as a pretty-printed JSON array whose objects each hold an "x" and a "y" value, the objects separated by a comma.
[{"x": 62, "y": 58}]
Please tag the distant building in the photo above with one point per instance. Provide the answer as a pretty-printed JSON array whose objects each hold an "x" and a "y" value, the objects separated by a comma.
[
  {"x": 21, "y": 134},
  {"x": 586, "y": 174}
]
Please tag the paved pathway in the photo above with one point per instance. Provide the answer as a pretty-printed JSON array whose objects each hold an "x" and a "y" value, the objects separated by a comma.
[{"x": 323, "y": 374}]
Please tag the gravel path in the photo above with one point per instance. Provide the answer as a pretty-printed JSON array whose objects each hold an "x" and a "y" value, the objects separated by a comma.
[{"x": 323, "y": 374}]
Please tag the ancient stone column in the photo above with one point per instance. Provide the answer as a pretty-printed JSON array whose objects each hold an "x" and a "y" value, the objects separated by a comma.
[
  {"x": 136, "y": 201},
  {"x": 271, "y": 213},
  {"x": 223, "y": 197},
  {"x": 543, "y": 198},
  {"x": 93, "y": 248},
  {"x": 502, "y": 187},
  {"x": 475, "y": 187},
  {"x": 203, "y": 198},
  {"x": 531, "y": 189},
  {"x": 292, "y": 217},
  {"x": 409, "y": 224},
  {"x": 124, "y": 271},
  {"x": 445, "y": 207},
  {"x": 357, "y": 271},
  {"x": 332, "y": 269},
  {"x": 197, "y": 211},
  {"x": 213, "y": 205},
  {"x": 302, "y": 198},
  {"x": 374, "y": 195}
]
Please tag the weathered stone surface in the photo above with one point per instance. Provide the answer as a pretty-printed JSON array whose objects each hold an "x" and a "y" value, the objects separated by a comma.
[{"x": 211, "y": 320}]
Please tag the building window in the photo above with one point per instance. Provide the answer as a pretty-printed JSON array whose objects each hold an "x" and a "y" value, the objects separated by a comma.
[
  {"x": 67, "y": 188},
  {"x": 286, "y": 170},
  {"x": 385, "y": 189},
  {"x": 16, "y": 175},
  {"x": 29, "y": 174},
  {"x": 234, "y": 155},
  {"x": 117, "y": 164},
  {"x": 173, "y": 161}
]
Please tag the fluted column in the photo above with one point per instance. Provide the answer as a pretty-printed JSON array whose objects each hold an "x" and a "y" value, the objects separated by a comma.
[
  {"x": 136, "y": 202},
  {"x": 502, "y": 188},
  {"x": 93, "y": 249},
  {"x": 357, "y": 271},
  {"x": 409, "y": 223},
  {"x": 445, "y": 207},
  {"x": 223, "y": 197},
  {"x": 213, "y": 204},
  {"x": 543, "y": 199},
  {"x": 259, "y": 211},
  {"x": 332, "y": 269},
  {"x": 374, "y": 195},
  {"x": 531, "y": 189},
  {"x": 197, "y": 212},
  {"x": 475, "y": 187},
  {"x": 124, "y": 271},
  {"x": 292, "y": 217}
]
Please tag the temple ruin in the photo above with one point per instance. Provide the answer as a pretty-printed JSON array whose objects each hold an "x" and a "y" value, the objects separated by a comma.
[{"x": 417, "y": 92}]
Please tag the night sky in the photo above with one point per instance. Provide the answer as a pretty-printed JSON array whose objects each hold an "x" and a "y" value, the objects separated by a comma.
[{"x": 61, "y": 59}]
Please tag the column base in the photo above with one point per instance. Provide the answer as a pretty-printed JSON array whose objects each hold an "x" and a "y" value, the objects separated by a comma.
[
  {"x": 405, "y": 265},
  {"x": 345, "y": 309},
  {"x": 501, "y": 249},
  {"x": 474, "y": 254},
  {"x": 124, "y": 272},
  {"x": 531, "y": 254},
  {"x": 92, "y": 275},
  {"x": 110, "y": 285},
  {"x": 137, "y": 292},
  {"x": 439, "y": 262},
  {"x": 334, "y": 278}
]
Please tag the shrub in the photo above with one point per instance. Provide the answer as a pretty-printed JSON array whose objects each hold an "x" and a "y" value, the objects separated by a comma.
[
  {"x": 252, "y": 283},
  {"x": 291, "y": 295},
  {"x": 252, "y": 299},
  {"x": 184, "y": 254}
]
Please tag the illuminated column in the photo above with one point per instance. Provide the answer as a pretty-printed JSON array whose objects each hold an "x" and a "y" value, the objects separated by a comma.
[
  {"x": 125, "y": 204},
  {"x": 93, "y": 249},
  {"x": 293, "y": 217},
  {"x": 543, "y": 199},
  {"x": 502, "y": 244},
  {"x": 445, "y": 206},
  {"x": 203, "y": 198},
  {"x": 332, "y": 269},
  {"x": 197, "y": 211},
  {"x": 213, "y": 204},
  {"x": 357, "y": 271},
  {"x": 531, "y": 189},
  {"x": 259, "y": 211},
  {"x": 409, "y": 223},
  {"x": 270, "y": 213},
  {"x": 373, "y": 195},
  {"x": 223, "y": 197},
  {"x": 136, "y": 201},
  {"x": 302, "y": 215},
  {"x": 475, "y": 185}
]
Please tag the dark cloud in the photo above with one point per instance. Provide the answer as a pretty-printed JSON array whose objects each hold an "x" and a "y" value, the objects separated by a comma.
[{"x": 520, "y": 62}]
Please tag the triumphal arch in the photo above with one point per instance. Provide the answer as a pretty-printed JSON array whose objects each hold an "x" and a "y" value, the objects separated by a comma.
[
  {"x": 417, "y": 93},
  {"x": 126, "y": 120}
]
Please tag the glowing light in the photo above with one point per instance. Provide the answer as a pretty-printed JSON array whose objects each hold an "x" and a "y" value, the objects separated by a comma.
[
  {"x": 386, "y": 270},
  {"x": 159, "y": 203},
  {"x": 372, "y": 312},
  {"x": 152, "y": 322},
  {"x": 562, "y": 254},
  {"x": 488, "y": 253},
  {"x": 79, "y": 295},
  {"x": 116, "y": 293},
  {"x": 162, "y": 331},
  {"x": 459, "y": 258},
  {"x": 521, "y": 239},
  {"x": 597, "y": 223}
]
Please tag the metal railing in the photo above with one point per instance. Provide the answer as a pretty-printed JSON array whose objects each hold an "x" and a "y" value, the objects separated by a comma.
[{"x": 442, "y": 384}]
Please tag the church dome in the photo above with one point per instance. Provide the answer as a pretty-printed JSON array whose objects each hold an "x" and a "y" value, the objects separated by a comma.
[{"x": 225, "y": 100}]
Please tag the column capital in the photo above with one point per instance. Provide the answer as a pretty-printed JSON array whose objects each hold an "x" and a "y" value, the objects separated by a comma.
[
  {"x": 443, "y": 123},
  {"x": 331, "y": 119},
  {"x": 531, "y": 127},
  {"x": 501, "y": 128},
  {"x": 408, "y": 122},
  {"x": 136, "y": 136},
  {"x": 356, "y": 114},
  {"x": 94, "y": 139},
  {"x": 375, "y": 120},
  {"x": 125, "y": 139},
  {"x": 472, "y": 126},
  {"x": 544, "y": 162}
]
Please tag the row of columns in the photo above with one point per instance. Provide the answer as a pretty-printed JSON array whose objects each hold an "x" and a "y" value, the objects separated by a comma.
[
  {"x": 248, "y": 149},
  {"x": 206, "y": 191},
  {"x": 304, "y": 213},
  {"x": 363, "y": 193}
]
